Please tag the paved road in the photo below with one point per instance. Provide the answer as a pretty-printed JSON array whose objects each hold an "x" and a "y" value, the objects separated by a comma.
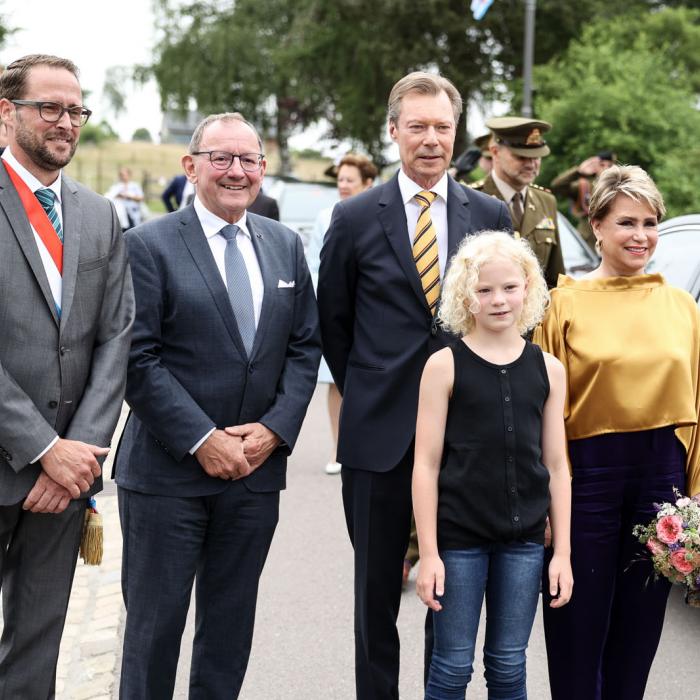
[{"x": 303, "y": 646}]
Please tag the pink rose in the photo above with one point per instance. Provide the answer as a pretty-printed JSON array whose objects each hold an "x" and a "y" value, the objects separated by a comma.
[
  {"x": 668, "y": 528},
  {"x": 655, "y": 547},
  {"x": 680, "y": 562}
]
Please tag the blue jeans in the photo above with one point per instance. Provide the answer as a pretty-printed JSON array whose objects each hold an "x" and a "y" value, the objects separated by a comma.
[{"x": 509, "y": 575}]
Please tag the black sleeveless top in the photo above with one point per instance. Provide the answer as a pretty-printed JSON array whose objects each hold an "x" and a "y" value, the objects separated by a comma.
[{"x": 493, "y": 487}]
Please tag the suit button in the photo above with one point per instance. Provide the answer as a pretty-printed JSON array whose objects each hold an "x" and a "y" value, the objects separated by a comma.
[
  {"x": 53, "y": 404},
  {"x": 64, "y": 350},
  {"x": 251, "y": 369}
]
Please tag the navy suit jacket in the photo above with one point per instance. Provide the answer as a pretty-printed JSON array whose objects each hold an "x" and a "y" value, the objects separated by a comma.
[
  {"x": 188, "y": 370},
  {"x": 376, "y": 326}
]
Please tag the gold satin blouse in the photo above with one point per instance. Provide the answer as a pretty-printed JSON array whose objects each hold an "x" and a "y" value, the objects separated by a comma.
[{"x": 631, "y": 348}]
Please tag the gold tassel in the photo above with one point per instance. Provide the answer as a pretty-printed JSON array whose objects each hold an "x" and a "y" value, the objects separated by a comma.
[{"x": 92, "y": 540}]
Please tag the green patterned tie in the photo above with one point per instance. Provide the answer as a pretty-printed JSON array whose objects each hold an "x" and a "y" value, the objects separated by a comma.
[{"x": 47, "y": 199}]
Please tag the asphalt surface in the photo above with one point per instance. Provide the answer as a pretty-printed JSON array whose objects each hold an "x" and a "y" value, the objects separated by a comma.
[{"x": 303, "y": 646}]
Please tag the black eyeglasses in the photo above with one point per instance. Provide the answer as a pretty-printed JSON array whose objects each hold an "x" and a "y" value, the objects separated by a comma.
[
  {"x": 222, "y": 160},
  {"x": 53, "y": 111}
]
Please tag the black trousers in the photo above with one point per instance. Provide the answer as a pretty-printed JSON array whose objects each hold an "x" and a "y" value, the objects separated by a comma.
[{"x": 378, "y": 515}]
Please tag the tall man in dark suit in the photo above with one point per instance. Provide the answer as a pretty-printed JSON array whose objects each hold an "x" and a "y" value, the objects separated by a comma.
[
  {"x": 378, "y": 290},
  {"x": 223, "y": 365},
  {"x": 66, "y": 309}
]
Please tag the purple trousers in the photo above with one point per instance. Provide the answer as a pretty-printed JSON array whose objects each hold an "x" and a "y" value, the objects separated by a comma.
[{"x": 601, "y": 645}]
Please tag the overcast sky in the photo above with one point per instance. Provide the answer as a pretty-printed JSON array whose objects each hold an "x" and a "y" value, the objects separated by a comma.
[{"x": 95, "y": 36}]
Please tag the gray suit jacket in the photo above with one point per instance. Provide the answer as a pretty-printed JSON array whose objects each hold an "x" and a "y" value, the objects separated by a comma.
[
  {"x": 188, "y": 370},
  {"x": 62, "y": 376}
]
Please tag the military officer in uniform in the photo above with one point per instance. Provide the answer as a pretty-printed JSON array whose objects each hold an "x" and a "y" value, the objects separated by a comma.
[
  {"x": 517, "y": 149},
  {"x": 576, "y": 184}
]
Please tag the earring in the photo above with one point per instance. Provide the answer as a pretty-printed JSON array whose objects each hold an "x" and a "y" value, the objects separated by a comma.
[{"x": 598, "y": 246}]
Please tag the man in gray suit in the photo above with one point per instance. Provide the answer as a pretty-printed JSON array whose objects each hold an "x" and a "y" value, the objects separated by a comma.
[
  {"x": 223, "y": 363},
  {"x": 66, "y": 309}
]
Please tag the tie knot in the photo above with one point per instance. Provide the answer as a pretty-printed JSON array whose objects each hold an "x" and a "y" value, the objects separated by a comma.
[
  {"x": 46, "y": 197},
  {"x": 425, "y": 198},
  {"x": 229, "y": 232},
  {"x": 517, "y": 198}
]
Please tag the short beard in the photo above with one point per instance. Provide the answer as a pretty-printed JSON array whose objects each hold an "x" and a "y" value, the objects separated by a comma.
[{"x": 39, "y": 152}]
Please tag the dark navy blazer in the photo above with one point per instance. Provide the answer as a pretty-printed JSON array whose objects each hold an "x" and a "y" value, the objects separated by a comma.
[
  {"x": 188, "y": 370},
  {"x": 376, "y": 325}
]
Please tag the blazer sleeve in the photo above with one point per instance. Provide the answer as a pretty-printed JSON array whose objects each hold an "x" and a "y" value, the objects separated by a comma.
[
  {"x": 24, "y": 432},
  {"x": 155, "y": 396},
  {"x": 297, "y": 380},
  {"x": 337, "y": 282},
  {"x": 97, "y": 414}
]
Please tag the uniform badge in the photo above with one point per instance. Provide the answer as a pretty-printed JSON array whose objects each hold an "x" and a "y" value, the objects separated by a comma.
[{"x": 547, "y": 223}]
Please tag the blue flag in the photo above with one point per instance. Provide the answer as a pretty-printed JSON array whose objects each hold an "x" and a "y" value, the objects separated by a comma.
[{"x": 480, "y": 7}]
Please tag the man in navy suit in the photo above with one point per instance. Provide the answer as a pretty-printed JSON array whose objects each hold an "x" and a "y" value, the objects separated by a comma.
[
  {"x": 382, "y": 262},
  {"x": 223, "y": 365}
]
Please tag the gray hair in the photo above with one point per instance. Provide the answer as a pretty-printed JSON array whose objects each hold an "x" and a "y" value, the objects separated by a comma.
[
  {"x": 196, "y": 140},
  {"x": 424, "y": 84}
]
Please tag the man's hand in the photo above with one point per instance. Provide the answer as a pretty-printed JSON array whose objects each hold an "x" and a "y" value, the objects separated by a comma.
[
  {"x": 73, "y": 464},
  {"x": 47, "y": 496},
  {"x": 222, "y": 457},
  {"x": 258, "y": 441}
]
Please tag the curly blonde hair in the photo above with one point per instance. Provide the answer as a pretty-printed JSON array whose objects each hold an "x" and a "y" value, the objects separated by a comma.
[{"x": 459, "y": 298}]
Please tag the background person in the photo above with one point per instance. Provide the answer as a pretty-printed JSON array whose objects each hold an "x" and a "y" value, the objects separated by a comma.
[
  {"x": 382, "y": 262},
  {"x": 473, "y": 541},
  {"x": 127, "y": 197},
  {"x": 576, "y": 185},
  {"x": 631, "y": 347},
  {"x": 354, "y": 174},
  {"x": 66, "y": 307},
  {"x": 172, "y": 194}
]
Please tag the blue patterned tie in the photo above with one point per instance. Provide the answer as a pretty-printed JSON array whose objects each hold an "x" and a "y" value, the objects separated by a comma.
[
  {"x": 47, "y": 199},
  {"x": 239, "y": 290}
]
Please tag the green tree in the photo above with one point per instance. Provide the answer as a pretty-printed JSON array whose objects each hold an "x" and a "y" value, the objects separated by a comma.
[
  {"x": 97, "y": 133},
  {"x": 142, "y": 134},
  {"x": 230, "y": 56},
  {"x": 630, "y": 86}
]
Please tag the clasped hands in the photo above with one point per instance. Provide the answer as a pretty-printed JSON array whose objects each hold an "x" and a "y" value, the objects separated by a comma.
[
  {"x": 236, "y": 451},
  {"x": 69, "y": 468}
]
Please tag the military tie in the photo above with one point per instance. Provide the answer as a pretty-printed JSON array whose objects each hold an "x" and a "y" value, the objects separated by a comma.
[
  {"x": 425, "y": 250},
  {"x": 239, "y": 290},
  {"x": 516, "y": 209},
  {"x": 47, "y": 199}
]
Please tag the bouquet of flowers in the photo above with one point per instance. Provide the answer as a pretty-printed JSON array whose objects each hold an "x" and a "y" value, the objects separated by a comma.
[{"x": 673, "y": 540}]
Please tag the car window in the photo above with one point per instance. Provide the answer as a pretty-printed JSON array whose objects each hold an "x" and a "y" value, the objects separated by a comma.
[
  {"x": 677, "y": 255},
  {"x": 578, "y": 257},
  {"x": 301, "y": 201}
]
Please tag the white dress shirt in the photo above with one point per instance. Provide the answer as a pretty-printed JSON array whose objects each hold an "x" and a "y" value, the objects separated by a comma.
[
  {"x": 52, "y": 273},
  {"x": 211, "y": 225},
  {"x": 438, "y": 212}
]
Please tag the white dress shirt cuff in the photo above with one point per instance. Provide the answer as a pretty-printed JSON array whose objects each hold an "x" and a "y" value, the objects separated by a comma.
[
  {"x": 45, "y": 450},
  {"x": 198, "y": 444}
]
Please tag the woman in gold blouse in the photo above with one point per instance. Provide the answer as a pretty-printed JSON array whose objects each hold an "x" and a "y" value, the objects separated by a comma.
[{"x": 631, "y": 346}]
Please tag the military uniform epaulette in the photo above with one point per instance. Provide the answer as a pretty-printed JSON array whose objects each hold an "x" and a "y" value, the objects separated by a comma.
[
  {"x": 475, "y": 185},
  {"x": 539, "y": 187}
]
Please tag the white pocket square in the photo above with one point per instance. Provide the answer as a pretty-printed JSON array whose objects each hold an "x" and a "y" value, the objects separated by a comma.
[{"x": 286, "y": 285}]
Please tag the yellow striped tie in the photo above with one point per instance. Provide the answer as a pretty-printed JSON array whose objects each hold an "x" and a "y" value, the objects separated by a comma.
[{"x": 425, "y": 250}]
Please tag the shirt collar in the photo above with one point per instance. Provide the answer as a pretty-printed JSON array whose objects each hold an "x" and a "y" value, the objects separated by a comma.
[
  {"x": 505, "y": 189},
  {"x": 212, "y": 224},
  {"x": 29, "y": 179},
  {"x": 410, "y": 189}
]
